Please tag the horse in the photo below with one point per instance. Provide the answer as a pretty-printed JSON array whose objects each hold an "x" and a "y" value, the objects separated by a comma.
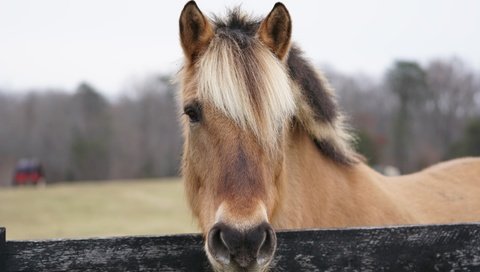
[{"x": 266, "y": 147}]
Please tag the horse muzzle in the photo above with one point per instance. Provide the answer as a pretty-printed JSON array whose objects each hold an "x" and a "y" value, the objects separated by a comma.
[{"x": 243, "y": 250}]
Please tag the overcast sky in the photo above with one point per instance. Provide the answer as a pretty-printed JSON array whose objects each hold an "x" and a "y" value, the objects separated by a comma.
[{"x": 109, "y": 43}]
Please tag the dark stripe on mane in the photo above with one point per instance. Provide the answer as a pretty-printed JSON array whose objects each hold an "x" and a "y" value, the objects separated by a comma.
[
  {"x": 322, "y": 103},
  {"x": 320, "y": 100},
  {"x": 329, "y": 150}
]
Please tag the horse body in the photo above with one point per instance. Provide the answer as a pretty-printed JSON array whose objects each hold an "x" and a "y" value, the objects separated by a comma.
[
  {"x": 266, "y": 147},
  {"x": 320, "y": 193},
  {"x": 444, "y": 193}
]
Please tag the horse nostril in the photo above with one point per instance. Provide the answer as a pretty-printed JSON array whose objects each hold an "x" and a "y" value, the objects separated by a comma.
[
  {"x": 268, "y": 246},
  {"x": 217, "y": 247},
  {"x": 244, "y": 248}
]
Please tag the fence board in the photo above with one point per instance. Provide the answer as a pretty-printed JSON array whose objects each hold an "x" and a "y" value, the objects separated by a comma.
[
  {"x": 412, "y": 248},
  {"x": 3, "y": 245}
]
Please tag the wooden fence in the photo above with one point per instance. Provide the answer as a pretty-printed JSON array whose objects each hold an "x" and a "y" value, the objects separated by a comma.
[{"x": 411, "y": 248}]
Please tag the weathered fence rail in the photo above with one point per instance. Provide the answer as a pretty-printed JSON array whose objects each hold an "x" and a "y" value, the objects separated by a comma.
[{"x": 411, "y": 248}]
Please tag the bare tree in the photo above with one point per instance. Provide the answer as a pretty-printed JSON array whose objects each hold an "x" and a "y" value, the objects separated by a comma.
[{"x": 453, "y": 88}]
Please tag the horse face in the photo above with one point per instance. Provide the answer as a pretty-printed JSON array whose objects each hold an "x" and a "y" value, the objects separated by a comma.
[
  {"x": 237, "y": 102},
  {"x": 231, "y": 186}
]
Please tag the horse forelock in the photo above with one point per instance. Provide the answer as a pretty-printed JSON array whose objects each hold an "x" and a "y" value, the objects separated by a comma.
[{"x": 242, "y": 78}]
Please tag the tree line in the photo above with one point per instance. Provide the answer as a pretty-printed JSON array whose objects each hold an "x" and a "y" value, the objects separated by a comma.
[
  {"x": 410, "y": 118},
  {"x": 414, "y": 115},
  {"x": 85, "y": 136}
]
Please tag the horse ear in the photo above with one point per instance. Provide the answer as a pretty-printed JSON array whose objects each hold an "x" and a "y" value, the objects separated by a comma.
[
  {"x": 196, "y": 31},
  {"x": 276, "y": 29}
]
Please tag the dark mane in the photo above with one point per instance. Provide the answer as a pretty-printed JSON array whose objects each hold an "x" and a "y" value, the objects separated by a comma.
[
  {"x": 321, "y": 101},
  {"x": 317, "y": 94}
]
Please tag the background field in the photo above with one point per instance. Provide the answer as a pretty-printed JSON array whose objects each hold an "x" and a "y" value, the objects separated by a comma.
[{"x": 135, "y": 207}]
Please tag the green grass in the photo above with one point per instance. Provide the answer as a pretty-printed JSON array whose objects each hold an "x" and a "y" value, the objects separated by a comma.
[{"x": 143, "y": 207}]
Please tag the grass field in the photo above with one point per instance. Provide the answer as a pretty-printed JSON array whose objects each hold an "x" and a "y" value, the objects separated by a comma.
[{"x": 95, "y": 209}]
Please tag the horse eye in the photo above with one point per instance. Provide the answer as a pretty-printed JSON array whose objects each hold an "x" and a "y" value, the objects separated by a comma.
[{"x": 193, "y": 112}]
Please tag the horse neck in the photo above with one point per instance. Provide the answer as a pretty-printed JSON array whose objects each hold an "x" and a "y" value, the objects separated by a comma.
[{"x": 314, "y": 191}]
